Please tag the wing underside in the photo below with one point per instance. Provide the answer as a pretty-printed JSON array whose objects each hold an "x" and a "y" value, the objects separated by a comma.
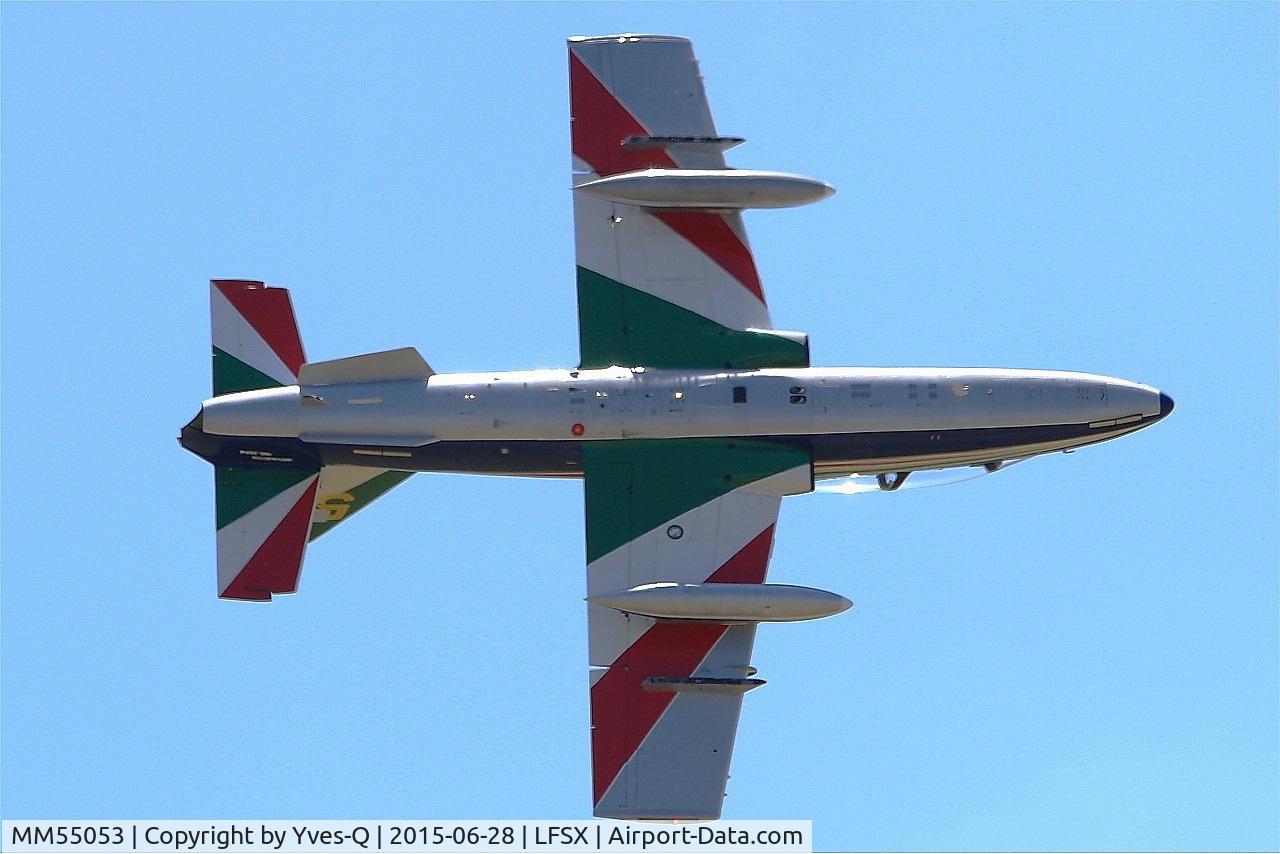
[
  {"x": 666, "y": 288},
  {"x": 666, "y": 694},
  {"x": 659, "y": 288}
]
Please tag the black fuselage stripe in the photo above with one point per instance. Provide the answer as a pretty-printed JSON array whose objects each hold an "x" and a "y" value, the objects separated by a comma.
[{"x": 564, "y": 458}]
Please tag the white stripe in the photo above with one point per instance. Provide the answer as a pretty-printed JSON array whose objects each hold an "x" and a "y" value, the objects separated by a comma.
[
  {"x": 240, "y": 540},
  {"x": 234, "y": 335},
  {"x": 643, "y": 253}
]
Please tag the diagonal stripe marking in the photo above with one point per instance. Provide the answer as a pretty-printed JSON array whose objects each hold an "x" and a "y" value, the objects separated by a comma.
[
  {"x": 667, "y": 649},
  {"x": 712, "y": 234},
  {"x": 236, "y": 336},
  {"x": 622, "y": 713},
  {"x": 600, "y": 123},
  {"x": 749, "y": 565},
  {"x": 275, "y": 566},
  {"x": 270, "y": 312}
]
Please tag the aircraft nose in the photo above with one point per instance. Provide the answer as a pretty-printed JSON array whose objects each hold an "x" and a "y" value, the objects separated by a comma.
[{"x": 1166, "y": 404}]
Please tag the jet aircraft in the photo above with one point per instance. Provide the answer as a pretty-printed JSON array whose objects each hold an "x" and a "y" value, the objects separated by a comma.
[{"x": 689, "y": 419}]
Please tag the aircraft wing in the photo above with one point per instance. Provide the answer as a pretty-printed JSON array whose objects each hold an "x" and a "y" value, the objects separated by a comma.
[
  {"x": 665, "y": 694},
  {"x": 659, "y": 287},
  {"x": 666, "y": 288}
]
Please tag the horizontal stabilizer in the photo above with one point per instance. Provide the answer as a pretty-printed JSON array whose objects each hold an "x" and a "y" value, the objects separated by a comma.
[
  {"x": 263, "y": 517},
  {"x": 255, "y": 336},
  {"x": 346, "y": 490},
  {"x": 405, "y": 363},
  {"x": 266, "y": 516}
]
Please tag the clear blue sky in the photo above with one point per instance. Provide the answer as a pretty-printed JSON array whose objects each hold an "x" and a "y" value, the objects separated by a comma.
[{"x": 1080, "y": 653}]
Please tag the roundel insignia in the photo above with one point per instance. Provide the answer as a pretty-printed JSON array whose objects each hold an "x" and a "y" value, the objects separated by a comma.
[
  {"x": 577, "y": 429},
  {"x": 675, "y": 532}
]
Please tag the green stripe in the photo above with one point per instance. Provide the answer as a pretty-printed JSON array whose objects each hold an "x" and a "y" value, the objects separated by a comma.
[
  {"x": 232, "y": 375},
  {"x": 239, "y": 490},
  {"x": 635, "y": 485},
  {"x": 620, "y": 325},
  {"x": 360, "y": 496}
]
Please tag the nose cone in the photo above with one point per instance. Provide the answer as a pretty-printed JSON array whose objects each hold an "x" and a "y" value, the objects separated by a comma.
[{"x": 1166, "y": 404}]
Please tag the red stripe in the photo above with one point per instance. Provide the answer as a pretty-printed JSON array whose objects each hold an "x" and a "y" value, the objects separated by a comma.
[
  {"x": 711, "y": 233},
  {"x": 749, "y": 565},
  {"x": 622, "y": 712},
  {"x": 275, "y": 566},
  {"x": 600, "y": 124},
  {"x": 270, "y": 313}
]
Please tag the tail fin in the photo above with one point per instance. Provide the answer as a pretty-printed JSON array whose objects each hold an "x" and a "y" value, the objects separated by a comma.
[
  {"x": 272, "y": 503},
  {"x": 255, "y": 337},
  {"x": 266, "y": 517}
]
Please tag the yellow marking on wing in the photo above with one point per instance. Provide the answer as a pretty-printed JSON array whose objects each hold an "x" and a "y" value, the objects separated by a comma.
[{"x": 336, "y": 504}]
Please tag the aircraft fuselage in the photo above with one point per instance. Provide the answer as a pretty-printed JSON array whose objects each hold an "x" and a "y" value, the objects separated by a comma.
[{"x": 530, "y": 423}]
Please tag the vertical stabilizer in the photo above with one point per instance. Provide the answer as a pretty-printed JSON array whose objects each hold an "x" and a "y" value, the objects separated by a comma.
[{"x": 269, "y": 506}]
